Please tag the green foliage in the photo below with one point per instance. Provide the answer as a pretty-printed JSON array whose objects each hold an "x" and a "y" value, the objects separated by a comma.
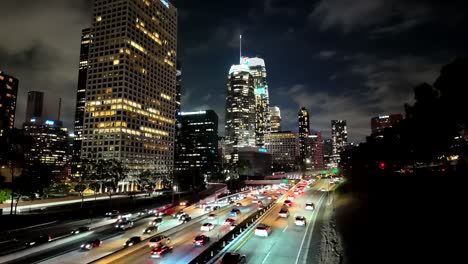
[{"x": 5, "y": 194}]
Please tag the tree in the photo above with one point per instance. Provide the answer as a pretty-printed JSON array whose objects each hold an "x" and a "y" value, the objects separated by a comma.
[
  {"x": 80, "y": 188},
  {"x": 5, "y": 194},
  {"x": 146, "y": 180},
  {"x": 110, "y": 173}
]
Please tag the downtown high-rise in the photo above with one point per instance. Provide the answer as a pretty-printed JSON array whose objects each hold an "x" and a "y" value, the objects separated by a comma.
[
  {"x": 131, "y": 84},
  {"x": 81, "y": 93},
  {"x": 240, "y": 110},
  {"x": 34, "y": 105},
  {"x": 339, "y": 134},
  {"x": 275, "y": 118},
  {"x": 8, "y": 95},
  {"x": 304, "y": 130},
  {"x": 262, "y": 103}
]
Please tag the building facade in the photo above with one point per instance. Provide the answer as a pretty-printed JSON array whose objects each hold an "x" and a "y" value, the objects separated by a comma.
[
  {"x": 317, "y": 155},
  {"x": 81, "y": 93},
  {"x": 283, "y": 147},
  {"x": 304, "y": 130},
  {"x": 254, "y": 163},
  {"x": 50, "y": 143},
  {"x": 34, "y": 105},
  {"x": 379, "y": 123},
  {"x": 131, "y": 84},
  {"x": 8, "y": 95},
  {"x": 339, "y": 136},
  {"x": 240, "y": 110},
  {"x": 262, "y": 101},
  {"x": 197, "y": 143},
  {"x": 275, "y": 119}
]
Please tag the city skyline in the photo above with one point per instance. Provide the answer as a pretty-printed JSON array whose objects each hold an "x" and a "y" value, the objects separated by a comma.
[{"x": 335, "y": 81}]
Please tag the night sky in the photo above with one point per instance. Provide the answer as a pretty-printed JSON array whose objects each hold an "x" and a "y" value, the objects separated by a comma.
[{"x": 342, "y": 59}]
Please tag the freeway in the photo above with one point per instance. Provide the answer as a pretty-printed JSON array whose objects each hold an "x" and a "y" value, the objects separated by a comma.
[
  {"x": 287, "y": 242},
  {"x": 183, "y": 250}
]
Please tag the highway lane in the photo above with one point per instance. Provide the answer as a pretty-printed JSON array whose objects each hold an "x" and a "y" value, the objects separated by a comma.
[
  {"x": 287, "y": 242},
  {"x": 184, "y": 251}
]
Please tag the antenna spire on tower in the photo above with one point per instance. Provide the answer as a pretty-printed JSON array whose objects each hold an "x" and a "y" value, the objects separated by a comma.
[{"x": 240, "y": 49}]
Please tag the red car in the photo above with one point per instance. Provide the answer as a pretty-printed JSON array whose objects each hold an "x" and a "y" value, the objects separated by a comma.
[
  {"x": 229, "y": 221},
  {"x": 91, "y": 244},
  {"x": 201, "y": 240},
  {"x": 159, "y": 252}
]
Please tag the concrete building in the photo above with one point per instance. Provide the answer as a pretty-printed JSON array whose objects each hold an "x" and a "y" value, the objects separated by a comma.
[
  {"x": 8, "y": 95},
  {"x": 131, "y": 85},
  {"x": 283, "y": 147},
  {"x": 254, "y": 162}
]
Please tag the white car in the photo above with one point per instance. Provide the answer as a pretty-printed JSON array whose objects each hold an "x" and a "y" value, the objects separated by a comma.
[
  {"x": 310, "y": 206},
  {"x": 300, "y": 221},
  {"x": 323, "y": 190},
  {"x": 124, "y": 225},
  {"x": 263, "y": 230},
  {"x": 291, "y": 197},
  {"x": 284, "y": 212},
  {"x": 158, "y": 241},
  {"x": 207, "y": 227}
]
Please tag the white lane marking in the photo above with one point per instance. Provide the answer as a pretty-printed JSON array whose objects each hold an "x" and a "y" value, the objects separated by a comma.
[
  {"x": 307, "y": 230},
  {"x": 285, "y": 228},
  {"x": 266, "y": 257}
]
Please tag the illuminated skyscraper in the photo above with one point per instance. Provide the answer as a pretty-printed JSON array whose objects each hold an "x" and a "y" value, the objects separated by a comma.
[
  {"x": 81, "y": 92},
  {"x": 262, "y": 103},
  {"x": 240, "y": 109},
  {"x": 275, "y": 118},
  {"x": 8, "y": 93},
  {"x": 304, "y": 129},
  {"x": 339, "y": 138},
  {"x": 131, "y": 84}
]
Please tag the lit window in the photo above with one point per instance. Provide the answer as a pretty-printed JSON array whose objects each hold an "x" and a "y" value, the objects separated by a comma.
[
  {"x": 98, "y": 19},
  {"x": 116, "y": 62}
]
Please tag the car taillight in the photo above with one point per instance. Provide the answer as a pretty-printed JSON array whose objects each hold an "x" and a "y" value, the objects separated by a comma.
[
  {"x": 194, "y": 241},
  {"x": 50, "y": 237}
]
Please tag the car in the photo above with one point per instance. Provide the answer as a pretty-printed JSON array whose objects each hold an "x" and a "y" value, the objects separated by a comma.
[
  {"x": 291, "y": 197},
  {"x": 287, "y": 203},
  {"x": 207, "y": 227},
  {"x": 200, "y": 240},
  {"x": 260, "y": 203},
  {"x": 234, "y": 212},
  {"x": 284, "y": 212},
  {"x": 91, "y": 244},
  {"x": 233, "y": 258},
  {"x": 178, "y": 214},
  {"x": 185, "y": 218},
  {"x": 230, "y": 201},
  {"x": 124, "y": 225},
  {"x": 150, "y": 229},
  {"x": 143, "y": 212},
  {"x": 262, "y": 230},
  {"x": 113, "y": 214},
  {"x": 323, "y": 190},
  {"x": 296, "y": 192},
  {"x": 229, "y": 221},
  {"x": 216, "y": 207},
  {"x": 132, "y": 241},
  {"x": 155, "y": 221},
  {"x": 125, "y": 215},
  {"x": 42, "y": 239},
  {"x": 184, "y": 203},
  {"x": 300, "y": 220},
  {"x": 238, "y": 204},
  {"x": 208, "y": 208},
  {"x": 159, "y": 252},
  {"x": 158, "y": 241},
  {"x": 80, "y": 230},
  {"x": 310, "y": 206},
  {"x": 212, "y": 216}
]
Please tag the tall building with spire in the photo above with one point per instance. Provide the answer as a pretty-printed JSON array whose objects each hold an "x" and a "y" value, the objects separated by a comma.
[
  {"x": 304, "y": 130},
  {"x": 262, "y": 103},
  {"x": 131, "y": 85},
  {"x": 240, "y": 110}
]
